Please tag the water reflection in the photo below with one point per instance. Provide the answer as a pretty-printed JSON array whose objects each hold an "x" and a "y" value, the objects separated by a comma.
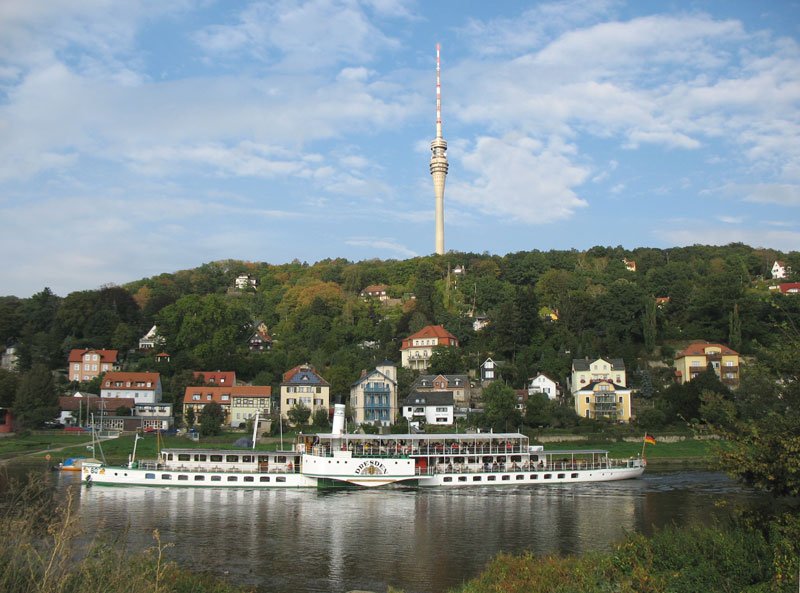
[{"x": 417, "y": 541}]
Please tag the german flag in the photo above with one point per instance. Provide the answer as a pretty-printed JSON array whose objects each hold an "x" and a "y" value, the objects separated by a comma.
[{"x": 650, "y": 440}]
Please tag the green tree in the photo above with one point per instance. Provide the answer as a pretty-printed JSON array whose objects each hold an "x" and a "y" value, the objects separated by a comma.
[
  {"x": 211, "y": 418},
  {"x": 321, "y": 419},
  {"x": 298, "y": 414},
  {"x": 190, "y": 418},
  {"x": 36, "y": 400},
  {"x": 445, "y": 360},
  {"x": 735, "y": 329},
  {"x": 9, "y": 381},
  {"x": 763, "y": 451},
  {"x": 500, "y": 408},
  {"x": 649, "y": 326},
  {"x": 538, "y": 410}
]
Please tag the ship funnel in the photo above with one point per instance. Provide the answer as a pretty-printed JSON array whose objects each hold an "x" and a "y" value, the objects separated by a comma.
[{"x": 338, "y": 419}]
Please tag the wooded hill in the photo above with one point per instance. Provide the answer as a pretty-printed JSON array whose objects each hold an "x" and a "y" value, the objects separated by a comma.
[{"x": 544, "y": 309}]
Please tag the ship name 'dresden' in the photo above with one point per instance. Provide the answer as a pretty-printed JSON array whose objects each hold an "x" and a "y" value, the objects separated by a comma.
[{"x": 371, "y": 467}]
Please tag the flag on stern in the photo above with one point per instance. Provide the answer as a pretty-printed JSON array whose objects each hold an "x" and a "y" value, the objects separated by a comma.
[{"x": 650, "y": 440}]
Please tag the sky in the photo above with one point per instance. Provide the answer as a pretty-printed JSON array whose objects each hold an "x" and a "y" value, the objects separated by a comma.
[{"x": 144, "y": 136}]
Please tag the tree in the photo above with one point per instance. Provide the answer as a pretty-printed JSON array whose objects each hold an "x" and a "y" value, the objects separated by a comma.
[
  {"x": 9, "y": 381},
  {"x": 36, "y": 400},
  {"x": 211, "y": 419},
  {"x": 763, "y": 451},
  {"x": 649, "y": 323},
  {"x": 321, "y": 419},
  {"x": 735, "y": 329},
  {"x": 500, "y": 408},
  {"x": 298, "y": 414},
  {"x": 538, "y": 410},
  {"x": 444, "y": 360},
  {"x": 190, "y": 417}
]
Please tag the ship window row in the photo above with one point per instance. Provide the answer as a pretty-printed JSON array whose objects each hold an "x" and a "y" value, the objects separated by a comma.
[
  {"x": 506, "y": 478},
  {"x": 201, "y": 478},
  {"x": 202, "y": 457}
]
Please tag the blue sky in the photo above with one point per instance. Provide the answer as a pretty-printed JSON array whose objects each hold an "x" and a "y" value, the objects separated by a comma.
[{"x": 142, "y": 137}]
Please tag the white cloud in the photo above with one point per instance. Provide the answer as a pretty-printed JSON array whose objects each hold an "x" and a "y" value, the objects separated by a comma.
[
  {"x": 381, "y": 244},
  {"x": 518, "y": 179},
  {"x": 774, "y": 193},
  {"x": 731, "y": 219},
  {"x": 308, "y": 34}
]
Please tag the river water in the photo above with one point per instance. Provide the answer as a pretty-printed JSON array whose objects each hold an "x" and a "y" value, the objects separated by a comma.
[{"x": 419, "y": 541}]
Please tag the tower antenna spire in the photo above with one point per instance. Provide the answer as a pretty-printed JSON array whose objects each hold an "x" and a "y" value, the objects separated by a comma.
[
  {"x": 439, "y": 163},
  {"x": 438, "y": 93}
]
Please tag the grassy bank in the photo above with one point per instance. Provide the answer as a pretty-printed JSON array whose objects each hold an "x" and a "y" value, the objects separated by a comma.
[
  {"x": 689, "y": 451},
  {"x": 117, "y": 450},
  {"x": 49, "y": 553},
  {"x": 754, "y": 555},
  {"x": 19, "y": 445}
]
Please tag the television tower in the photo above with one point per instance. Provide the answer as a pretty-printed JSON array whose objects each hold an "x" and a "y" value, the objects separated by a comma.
[{"x": 439, "y": 164}]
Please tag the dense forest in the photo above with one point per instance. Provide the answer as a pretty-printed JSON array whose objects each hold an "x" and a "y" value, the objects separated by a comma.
[{"x": 543, "y": 308}]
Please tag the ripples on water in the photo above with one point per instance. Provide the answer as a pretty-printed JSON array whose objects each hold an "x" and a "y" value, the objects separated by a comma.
[{"x": 420, "y": 541}]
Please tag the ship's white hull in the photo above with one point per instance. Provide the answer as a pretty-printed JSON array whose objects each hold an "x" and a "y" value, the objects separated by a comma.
[
  {"x": 520, "y": 478},
  {"x": 120, "y": 476}
]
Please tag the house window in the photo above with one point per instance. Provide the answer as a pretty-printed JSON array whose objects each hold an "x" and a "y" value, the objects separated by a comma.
[
  {"x": 196, "y": 398},
  {"x": 225, "y": 397}
]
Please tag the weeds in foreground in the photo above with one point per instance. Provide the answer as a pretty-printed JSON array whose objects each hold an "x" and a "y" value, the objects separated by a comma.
[
  {"x": 46, "y": 551},
  {"x": 746, "y": 556}
]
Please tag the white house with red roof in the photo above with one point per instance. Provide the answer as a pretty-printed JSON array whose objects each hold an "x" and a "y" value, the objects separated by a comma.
[
  {"x": 143, "y": 388},
  {"x": 85, "y": 364},
  {"x": 417, "y": 348}
]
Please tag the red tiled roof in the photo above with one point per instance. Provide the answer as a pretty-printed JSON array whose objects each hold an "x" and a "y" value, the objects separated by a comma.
[
  {"x": 76, "y": 354},
  {"x": 699, "y": 349},
  {"x": 217, "y": 377},
  {"x": 789, "y": 287},
  {"x": 133, "y": 378},
  {"x": 216, "y": 393},
  {"x": 431, "y": 331}
]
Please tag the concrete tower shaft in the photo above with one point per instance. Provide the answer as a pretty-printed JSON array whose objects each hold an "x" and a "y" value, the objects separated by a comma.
[{"x": 439, "y": 163}]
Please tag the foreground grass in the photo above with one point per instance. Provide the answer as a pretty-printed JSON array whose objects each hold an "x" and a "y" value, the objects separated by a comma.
[
  {"x": 747, "y": 556},
  {"x": 48, "y": 553}
]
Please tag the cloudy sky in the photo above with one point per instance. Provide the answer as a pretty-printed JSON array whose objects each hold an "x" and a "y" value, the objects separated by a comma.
[{"x": 142, "y": 137}]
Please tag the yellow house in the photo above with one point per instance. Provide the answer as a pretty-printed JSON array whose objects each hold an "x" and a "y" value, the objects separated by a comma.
[
  {"x": 698, "y": 355},
  {"x": 604, "y": 399}
]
